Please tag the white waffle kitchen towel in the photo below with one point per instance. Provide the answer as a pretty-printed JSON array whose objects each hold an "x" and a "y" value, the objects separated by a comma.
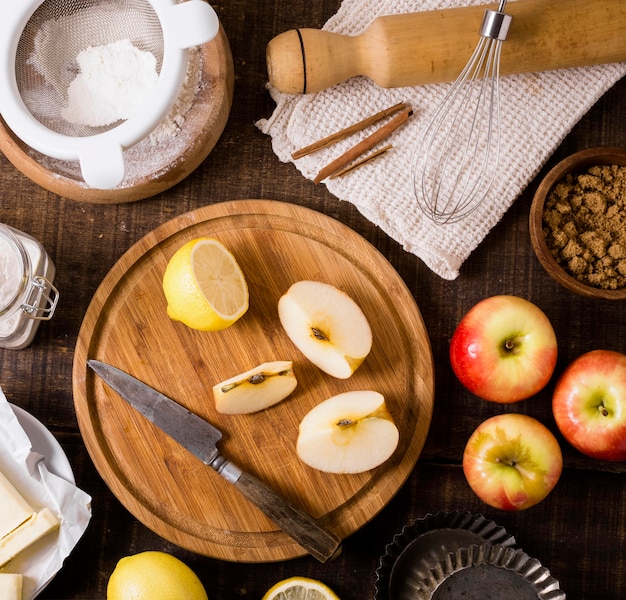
[{"x": 537, "y": 110}]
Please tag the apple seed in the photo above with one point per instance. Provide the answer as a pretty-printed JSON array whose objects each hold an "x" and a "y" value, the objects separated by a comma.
[
  {"x": 253, "y": 379},
  {"x": 319, "y": 335},
  {"x": 261, "y": 377}
]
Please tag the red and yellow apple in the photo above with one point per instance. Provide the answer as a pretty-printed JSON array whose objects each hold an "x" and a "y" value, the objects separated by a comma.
[
  {"x": 504, "y": 349},
  {"x": 512, "y": 461},
  {"x": 589, "y": 404}
]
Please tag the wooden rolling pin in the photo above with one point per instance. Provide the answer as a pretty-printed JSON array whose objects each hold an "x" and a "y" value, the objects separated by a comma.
[{"x": 433, "y": 46}]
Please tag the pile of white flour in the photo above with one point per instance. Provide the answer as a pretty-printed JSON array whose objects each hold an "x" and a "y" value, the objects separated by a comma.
[
  {"x": 97, "y": 74},
  {"x": 114, "y": 81}
]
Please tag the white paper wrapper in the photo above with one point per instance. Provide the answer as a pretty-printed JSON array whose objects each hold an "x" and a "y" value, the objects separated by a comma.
[{"x": 28, "y": 472}]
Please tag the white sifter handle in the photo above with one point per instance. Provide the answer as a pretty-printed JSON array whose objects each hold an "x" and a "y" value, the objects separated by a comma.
[{"x": 193, "y": 23}]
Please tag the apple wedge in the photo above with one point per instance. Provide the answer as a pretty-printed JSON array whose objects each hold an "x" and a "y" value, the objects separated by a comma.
[
  {"x": 256, "y": 389},
  {"x": 327, "y": 326},
  {"x": 348, "y": 433}
]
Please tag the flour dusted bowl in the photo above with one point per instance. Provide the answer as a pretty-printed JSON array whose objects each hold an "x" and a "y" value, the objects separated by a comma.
[{"x": 132, "y": 157}]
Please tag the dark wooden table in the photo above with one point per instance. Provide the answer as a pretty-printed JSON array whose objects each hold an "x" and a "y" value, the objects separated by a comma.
[{"x": 578, "y": 532}]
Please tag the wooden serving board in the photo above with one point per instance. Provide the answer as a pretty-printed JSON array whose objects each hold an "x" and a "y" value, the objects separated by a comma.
[{"x": 161, "y": 483}]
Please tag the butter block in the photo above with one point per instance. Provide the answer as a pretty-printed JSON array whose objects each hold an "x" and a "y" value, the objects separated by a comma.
[
  {"x": 37, "y": 526},
  {"x": 15, "y": 509},
  {"x": 11, "y": 586}
]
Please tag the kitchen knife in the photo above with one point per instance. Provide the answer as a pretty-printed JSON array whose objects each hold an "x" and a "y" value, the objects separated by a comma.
[{"x": 200, "y": 438}]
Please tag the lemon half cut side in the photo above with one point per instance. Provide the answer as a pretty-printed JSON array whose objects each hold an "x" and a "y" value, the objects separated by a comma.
[
  {"x": 204, "y": 286},
  {"x": 300, "y": 588}
]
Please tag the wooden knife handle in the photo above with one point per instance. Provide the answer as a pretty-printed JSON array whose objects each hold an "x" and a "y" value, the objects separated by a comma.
[
  {"x": 318, "y": 541},
  {"x": 433, "y": 46}
]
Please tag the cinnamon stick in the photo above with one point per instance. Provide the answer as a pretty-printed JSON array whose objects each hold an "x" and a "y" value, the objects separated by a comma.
[
  {"x": 361, "y": 162},
  {"x": 364, "y": 145},
  {"x": 344, "y": 133}
]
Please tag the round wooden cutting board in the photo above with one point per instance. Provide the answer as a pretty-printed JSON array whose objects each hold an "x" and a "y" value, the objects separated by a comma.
[{"x": 161, "y": 483}]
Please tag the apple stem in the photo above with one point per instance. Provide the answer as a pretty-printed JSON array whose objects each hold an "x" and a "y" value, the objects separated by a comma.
[
  {"x": 511, "y": 463},
  {"x": 509, "y": 345},
  {"x": 603, "y": 410}
]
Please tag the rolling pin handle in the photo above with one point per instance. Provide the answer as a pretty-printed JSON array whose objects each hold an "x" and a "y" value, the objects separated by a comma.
[{"x": 306, "y": 61}]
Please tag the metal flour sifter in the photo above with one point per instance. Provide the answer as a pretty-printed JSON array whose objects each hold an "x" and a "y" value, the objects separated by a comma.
[{"x": 34, "y": 93}]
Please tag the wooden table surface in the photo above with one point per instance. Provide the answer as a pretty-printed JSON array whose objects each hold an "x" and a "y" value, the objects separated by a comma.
[{"x": 578, "y": 532}]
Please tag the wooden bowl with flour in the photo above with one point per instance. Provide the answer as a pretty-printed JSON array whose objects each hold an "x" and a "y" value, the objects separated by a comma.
[{"x": 164, "y": 158}]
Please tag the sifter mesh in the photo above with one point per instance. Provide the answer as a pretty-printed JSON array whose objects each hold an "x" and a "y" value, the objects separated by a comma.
[{"x": 46, "y": 57}]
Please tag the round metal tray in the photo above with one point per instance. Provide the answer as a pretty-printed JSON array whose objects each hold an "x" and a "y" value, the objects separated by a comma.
[{"x": 423, "y": 544}]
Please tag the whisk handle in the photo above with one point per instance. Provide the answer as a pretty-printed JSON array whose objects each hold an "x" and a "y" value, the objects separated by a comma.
[{"x": 433, "y": 46}]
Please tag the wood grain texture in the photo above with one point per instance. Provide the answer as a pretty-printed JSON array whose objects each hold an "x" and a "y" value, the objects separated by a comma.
[
  {"x": 161, "y": 168},
  {"x": 579, "y": 531},
  {"x": 126, "y": 325}
]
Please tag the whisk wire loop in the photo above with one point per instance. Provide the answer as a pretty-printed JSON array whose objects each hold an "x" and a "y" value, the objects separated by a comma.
[
  {"x": 484, "y": 120},
  {"x": 456, "y": 161}
]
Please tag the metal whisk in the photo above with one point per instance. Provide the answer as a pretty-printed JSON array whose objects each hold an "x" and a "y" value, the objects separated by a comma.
[{"x": 456, "y": 161}]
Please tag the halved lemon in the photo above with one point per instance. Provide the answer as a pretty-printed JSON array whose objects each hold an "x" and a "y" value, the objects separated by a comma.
[
  {"x": 204, "y": 286},
  {"x": 300, "y": 588}
]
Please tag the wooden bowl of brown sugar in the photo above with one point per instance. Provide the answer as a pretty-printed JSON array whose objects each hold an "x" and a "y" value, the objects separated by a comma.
[{"x": 578, "y": 223}]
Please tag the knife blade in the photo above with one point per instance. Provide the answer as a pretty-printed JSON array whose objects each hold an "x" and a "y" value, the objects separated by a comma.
[{"x": 200, "y": 438}]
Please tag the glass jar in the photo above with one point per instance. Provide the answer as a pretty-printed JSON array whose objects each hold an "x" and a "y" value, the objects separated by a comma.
[{"x": 27, "y": 295}]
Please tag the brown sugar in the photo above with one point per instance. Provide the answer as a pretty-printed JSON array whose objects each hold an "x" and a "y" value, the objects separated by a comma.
[{"x": 584, "y": 223}]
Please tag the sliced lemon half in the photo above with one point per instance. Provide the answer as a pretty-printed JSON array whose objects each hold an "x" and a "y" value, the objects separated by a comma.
[
  {"x": 300, "y": 588},
  {"x": 204, "y": 286}
]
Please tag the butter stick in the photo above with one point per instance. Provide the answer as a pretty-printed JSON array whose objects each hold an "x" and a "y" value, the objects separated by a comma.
[
  {"x": 15, "y": 509},
  {"x": 11, "y": 586},
  {"x": 36, "y": 527}
]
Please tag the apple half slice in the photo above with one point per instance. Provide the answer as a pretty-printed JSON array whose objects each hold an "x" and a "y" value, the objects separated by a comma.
[
  {"x": 256, "y": 389},
  {"x": 351, "y": 432},
  {"x": 327, "y": 326}
]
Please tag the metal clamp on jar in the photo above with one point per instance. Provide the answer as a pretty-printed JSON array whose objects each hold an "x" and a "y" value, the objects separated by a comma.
[{"x": 27, "y": 295}]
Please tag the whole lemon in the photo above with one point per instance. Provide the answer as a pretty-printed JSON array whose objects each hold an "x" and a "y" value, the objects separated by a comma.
[{"x": 154, "y": 575}]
